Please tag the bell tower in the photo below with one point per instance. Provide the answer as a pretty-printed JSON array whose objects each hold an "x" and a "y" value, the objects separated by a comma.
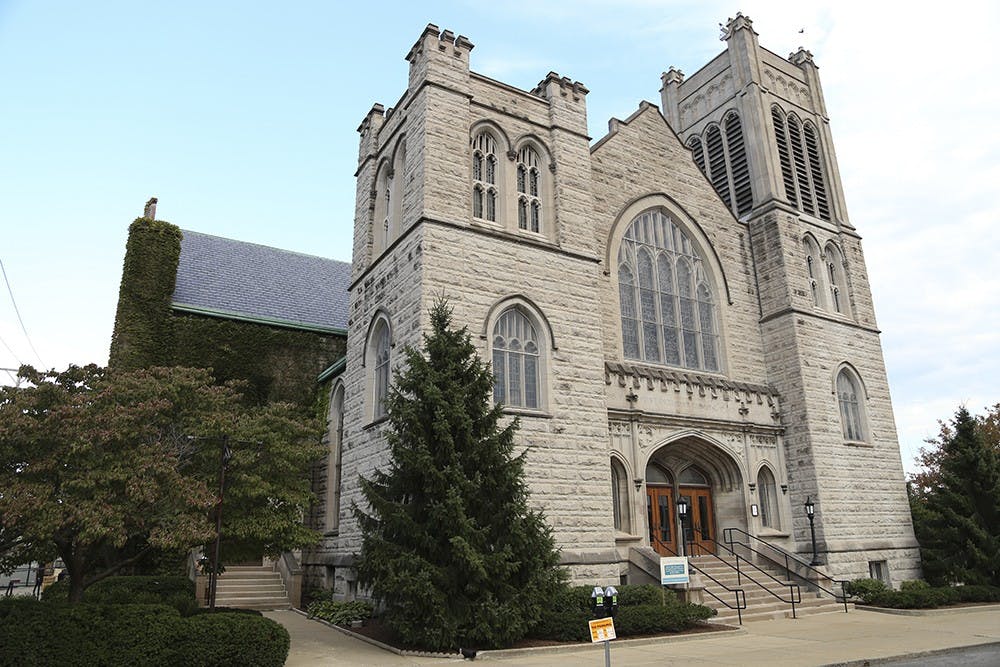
[{"x": 757, "y": 127}]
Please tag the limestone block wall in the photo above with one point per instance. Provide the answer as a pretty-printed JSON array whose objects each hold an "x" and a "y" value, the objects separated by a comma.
[{"x": 568, "y": 469}]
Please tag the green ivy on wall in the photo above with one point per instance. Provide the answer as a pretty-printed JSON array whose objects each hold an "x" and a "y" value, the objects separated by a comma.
[{"x": 277, "y": 363}]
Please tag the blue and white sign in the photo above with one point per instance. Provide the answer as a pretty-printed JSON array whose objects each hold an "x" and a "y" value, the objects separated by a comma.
[{"x": 674, "y": 570}]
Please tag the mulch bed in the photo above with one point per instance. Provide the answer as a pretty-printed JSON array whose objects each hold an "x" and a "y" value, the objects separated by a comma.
[{"x": 373, "y": 629}]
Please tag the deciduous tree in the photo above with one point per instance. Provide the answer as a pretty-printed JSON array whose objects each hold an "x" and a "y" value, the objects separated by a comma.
[{"x": 102, "y": 468}]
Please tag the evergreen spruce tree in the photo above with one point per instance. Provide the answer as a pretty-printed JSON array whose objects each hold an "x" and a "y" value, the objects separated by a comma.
[
  {"x": 959, "y": 523},
  {"x": 450, "y": 548}
]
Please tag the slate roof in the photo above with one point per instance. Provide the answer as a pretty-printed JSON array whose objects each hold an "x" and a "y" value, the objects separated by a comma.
[{"x": 223, "y": 277}]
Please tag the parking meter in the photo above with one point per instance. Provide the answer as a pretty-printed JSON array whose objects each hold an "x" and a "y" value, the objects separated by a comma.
[
  {"x": 597, "y": 602},
  {"x": 610, "y": 601}
]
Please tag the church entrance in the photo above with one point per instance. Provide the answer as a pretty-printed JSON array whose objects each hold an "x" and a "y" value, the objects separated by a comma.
[{"x": 661, "y": 511}]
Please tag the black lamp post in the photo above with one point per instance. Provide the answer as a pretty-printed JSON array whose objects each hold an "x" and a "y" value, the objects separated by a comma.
[
  {"x": 811, "y": 513},
  {"x": 682, "y": 510},
  {"x": 213, "y": 582}
]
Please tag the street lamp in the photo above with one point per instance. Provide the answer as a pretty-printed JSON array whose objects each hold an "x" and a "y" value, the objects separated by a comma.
[
  {"x": 811, "y": 513},
  {"x": 682, "y": 510}
]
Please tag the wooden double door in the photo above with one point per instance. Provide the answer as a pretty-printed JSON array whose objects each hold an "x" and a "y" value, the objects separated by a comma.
[{"x": 661, "y": 516}]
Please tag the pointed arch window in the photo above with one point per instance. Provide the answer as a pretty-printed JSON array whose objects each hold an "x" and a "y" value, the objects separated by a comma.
[
  {"x": 851, "y": 413},
  {"x": 335, "y": 434},
  {"x": 516, "y": 360},
  {"x": 768, "y": 499},
  {"x": 721, "y": 155},
  {"x": 668, "y": 308},
  {"x": 529, "y": 203},
  {"x": 837, "y": 280},
  {"x": 813, "y": 268},
  {"x": 620, "y": 497},
  {"x": 379, "y": 353},
  {"x": 485, "y": 181},
  {"x": 801, "y": 160}
]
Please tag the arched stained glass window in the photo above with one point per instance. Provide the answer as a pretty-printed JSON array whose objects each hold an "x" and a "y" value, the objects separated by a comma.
[
  {"x": 668, "y": 309},
  {"x": 515, "y": 360}
]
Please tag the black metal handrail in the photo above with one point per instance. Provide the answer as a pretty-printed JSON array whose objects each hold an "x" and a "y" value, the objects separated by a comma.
[
  {"x": 794, "y": 591},
  {"x": 739, "y": 595},
  {"x": 727, "y": 536}
]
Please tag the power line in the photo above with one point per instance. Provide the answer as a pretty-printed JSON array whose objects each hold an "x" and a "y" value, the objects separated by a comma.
[
  {"x": 12, "y": 353},
  {"x": 18, "y": 313}
]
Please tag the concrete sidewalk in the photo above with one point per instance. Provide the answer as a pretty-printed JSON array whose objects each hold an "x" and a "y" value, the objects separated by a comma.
[{"x": 823, "y": 639}]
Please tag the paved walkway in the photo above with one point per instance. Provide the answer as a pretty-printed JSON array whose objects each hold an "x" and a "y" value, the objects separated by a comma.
[{"x": 823, "y": 639}]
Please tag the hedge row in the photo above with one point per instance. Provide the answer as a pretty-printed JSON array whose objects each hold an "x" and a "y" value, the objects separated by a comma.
[
  {"x": 645, "y": 609},
  {"x": 339, "y": 613},
  {"x": 919, "y": 595},
  {"x": 38, "y": 633}
]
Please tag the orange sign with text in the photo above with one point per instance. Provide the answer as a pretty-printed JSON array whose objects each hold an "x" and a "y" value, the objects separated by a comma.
[{"x": 602, "y": 630}]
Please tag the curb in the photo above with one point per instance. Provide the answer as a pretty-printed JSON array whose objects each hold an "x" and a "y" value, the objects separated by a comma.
[
  {"x": 940, "y": 611},
  {"x": 534, "y": 650},
  {"x": 865, "y": 662}
]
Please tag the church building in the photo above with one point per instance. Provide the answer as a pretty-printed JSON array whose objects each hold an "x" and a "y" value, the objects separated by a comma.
[{"x": 677, "y": 311}]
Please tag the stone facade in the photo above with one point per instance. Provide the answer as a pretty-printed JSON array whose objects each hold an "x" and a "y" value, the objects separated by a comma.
[{"x": 740, "y": 160}]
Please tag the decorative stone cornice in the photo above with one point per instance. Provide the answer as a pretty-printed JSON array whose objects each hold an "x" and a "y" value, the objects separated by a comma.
[{"x": 651, "y": 377}]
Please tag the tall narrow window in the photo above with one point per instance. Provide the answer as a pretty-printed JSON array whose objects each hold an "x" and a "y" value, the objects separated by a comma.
[
  {"x": 668, "y": 309},
  {"x": 784, "y": 157},
  {"x": 485, "y": 182},
  {"x": 383, "y": 209},
  {"x": 738, "y": 165},
  {"x": 801, "y": 159},
  {"x": 515, "y": 360},
  {"x": 335, "y": 434},
  {"x": 619, "y": 497},
  {"x": 848, "y": 396},
  {"x": 839, "y": 301},
  {"x": 768, "y": 499},
  {"x": 528, "y": 190},
  {"x": 717, "y": 164},
  {"x": 380, "y": 357},
  {"x": 814, "y": 267}
]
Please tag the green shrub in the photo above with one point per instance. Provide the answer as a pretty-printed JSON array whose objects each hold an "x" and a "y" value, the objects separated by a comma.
[
  {"x": 112, "y": 635},
  {"x": 127, "y": 590},
  {"x": 223, "y": 639},
  {"x": 655, "y": 618},
  {"x": 975, "y": 593},
  {"x": 642, "y": 609},
  {"x": 866, "y": 589},
  {"x": 340, "y": 613},
  {"x": 914, "y": 585}
]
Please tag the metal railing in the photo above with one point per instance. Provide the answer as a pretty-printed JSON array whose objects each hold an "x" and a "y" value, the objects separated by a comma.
[
  {"x": 786, "y": 560},
  {"x": 739, "y": 595},
  {"x": 794, "y": 591}
]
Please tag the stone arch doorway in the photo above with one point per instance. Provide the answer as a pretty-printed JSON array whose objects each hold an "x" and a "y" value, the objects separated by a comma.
[{"x": 708, "y": 479}]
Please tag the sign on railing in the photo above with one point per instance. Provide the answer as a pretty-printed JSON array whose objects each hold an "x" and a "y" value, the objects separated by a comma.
[{"x": 674, "y": 570}]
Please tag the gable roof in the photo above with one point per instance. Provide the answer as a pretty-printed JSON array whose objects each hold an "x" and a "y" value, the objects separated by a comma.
[{"x": 225, "y": 278}]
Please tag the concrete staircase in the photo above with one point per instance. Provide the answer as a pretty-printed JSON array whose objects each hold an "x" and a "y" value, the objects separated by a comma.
[
  {"x": 761, "y": 604},
  {"x": 251, "y": 587}
]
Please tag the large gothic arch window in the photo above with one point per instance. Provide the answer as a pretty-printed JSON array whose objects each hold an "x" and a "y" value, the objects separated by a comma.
[
  {"x": 516, "y": 360},
  {"x": 668, "y": 307}
]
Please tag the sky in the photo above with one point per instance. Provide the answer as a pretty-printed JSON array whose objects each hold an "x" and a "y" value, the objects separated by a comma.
[{"x": 241, "y": 118}]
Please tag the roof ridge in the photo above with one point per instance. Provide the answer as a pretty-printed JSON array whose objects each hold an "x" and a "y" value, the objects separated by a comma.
[{"x": 262, "y": 245}]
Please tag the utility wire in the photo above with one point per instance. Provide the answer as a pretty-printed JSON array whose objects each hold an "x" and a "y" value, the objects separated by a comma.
[
  {"x": 18, "y": 313},
  {"x": 12, "y": 353}
]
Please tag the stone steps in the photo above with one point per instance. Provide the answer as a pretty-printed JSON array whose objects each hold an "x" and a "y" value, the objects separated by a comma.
[
  {"x": 760, "y": 598},
  {"x": 251, "y": 587}
]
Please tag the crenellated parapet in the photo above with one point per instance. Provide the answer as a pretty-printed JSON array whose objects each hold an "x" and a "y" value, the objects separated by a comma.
[
  {"x": 439, "y": 56},
  {"x": 369, "y": 131},
  {"x": 567, "y": 101}
]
